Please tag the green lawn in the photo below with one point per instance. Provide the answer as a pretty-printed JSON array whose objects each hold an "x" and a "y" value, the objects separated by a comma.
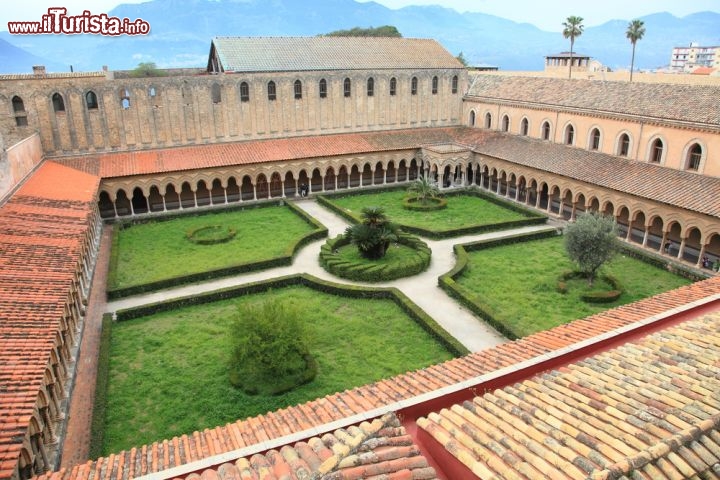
[
  {"x": 168, "y": 372},
  {"x": 462, "y": 210},
  {"x": 518, "y": 282},
  {"x": 159, "y": 250}
]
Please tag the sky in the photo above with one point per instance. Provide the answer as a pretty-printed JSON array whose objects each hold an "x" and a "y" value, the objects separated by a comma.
[{"x": 545, "y": 14}]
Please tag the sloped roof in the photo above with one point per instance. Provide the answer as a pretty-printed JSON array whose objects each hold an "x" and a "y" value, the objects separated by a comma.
[
  {"x": 648, "y": 408},
  {"x": 696, "y": 104},
  {"x": 292, "y": 54}
]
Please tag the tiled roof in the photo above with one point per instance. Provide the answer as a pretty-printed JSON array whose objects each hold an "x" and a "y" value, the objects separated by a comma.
[
  {"x": 42, "y": 228},
  {"x": 697, "y": 104},
  {"x": 648, "y": 409},
  {"x": 691, "y": 191},
  {"x": 378, "y": 449},
  {"x": 283, "y": 54},
  {"x": 374, "y": 397}
]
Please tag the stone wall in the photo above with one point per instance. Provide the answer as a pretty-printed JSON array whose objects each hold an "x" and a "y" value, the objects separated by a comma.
[{"x": 17, "y": 161}]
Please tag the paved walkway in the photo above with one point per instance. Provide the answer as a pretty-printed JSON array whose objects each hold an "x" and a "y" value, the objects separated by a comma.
[{"x": 422, "y": 289}]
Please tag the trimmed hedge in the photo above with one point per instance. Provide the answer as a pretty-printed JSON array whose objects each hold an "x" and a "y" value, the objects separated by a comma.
[
  {"x": 663, "y": 262},
  {"x": 532, "y": 217},
  {"x": 97, "y": 426},
  {"x": 374, "y": 270},
  {"x": 411, "y": 309},
  {"x": 470, "y": 299},
  {"x": 196, "y": 235},
  {"x": 320, "y": 232},
  {"x": 608, "y": 296},
  {"x": 434, "y": 204}
]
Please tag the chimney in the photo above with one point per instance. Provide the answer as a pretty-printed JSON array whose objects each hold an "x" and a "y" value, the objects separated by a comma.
[{"x": 39, "y": 70}]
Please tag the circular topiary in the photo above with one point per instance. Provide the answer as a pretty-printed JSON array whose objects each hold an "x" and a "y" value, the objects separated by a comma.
[
  {"x": 211, "y": 235},
  {"x": 605, "y": 296},
  {"x": 408, "y": 256},
  {"x": 430, "y": 204}
]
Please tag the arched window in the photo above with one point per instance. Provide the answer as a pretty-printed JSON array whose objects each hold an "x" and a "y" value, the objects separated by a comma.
[
  {"x": 488, "y": 120},
  {"x": 18, "y": 104},
  {"x": 322, "y": 87},
  {"x": 215, "y": 93},
  {"x": 656, "y": 151},
  {"x": 91, "y": 100},
  {"x": 272, "y": 95},
  {"x": 546, "y": 131},
  {"x": 58, "y": 102},
  {"x": 524, "y": 127},
  {"x": 413, "y": 86},
  {"x": 347, "y": 87},
  {"x": 393, "y": 86},
  {"x": 569, "y": 135},
  {"x": 694, "y": 157},
  {"x": 244, "y": 92},
  {"x": 472, "y": 118},
  {"x": 125, "y": 98},
  {"x": 297, "y": 87},
  {"x": 505, "y": 123},
  {"x": 455, "y": 84},
  {"x": 370, "y": 87},
  {"x": 434, "y": 85},
  {"x": 595, "y": 139},
  {"x": 624, "y": 145},
  {"x": 152, "y": 92}
]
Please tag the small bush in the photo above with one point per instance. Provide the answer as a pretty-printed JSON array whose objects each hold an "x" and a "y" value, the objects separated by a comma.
[
  {"x": 270, "y": 354},
  {"x": 431, "y": 204},
  {"x": 211, "y": 235}
]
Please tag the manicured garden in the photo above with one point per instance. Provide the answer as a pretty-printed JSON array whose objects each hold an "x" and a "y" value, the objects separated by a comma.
[
  {"x": 169, "y": 371},
  {"x": 159, "y": 250},
  {"x": 463, "y": 210},
  {"x": 518, "y": 284}
]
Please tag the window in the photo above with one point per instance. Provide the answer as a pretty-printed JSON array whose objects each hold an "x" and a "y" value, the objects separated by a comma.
[
  {"x": 21, "y": 121},
  {"x": 18, "y": 104},
  {"x": 595, "y": 139},
  {"x": 488, "y": 120},
  {"x": 125, "y": 98},
  {"x": 524, "y": 127},
  {"x": 434, "y": 85},
  {"x": 546, "y": 131},
  {"x": 569, "y": 135},
  {"x": 370, "y": 87},
  {"x": 151, "y": 92},
  {"x": 454, "y": 84},
  {"x": 347, "y": 87},
  {"x": 694, "y": 157},
  {"x": 472, "y": 118},
  {"x": 91, "y": 100},
  {"x": 393, "y": 86},
  {"x": 656, "y": 151},
  {"x": 215, "y": 93},
  {"x": 271, "y": 90},
  {"x": 298, "y": 89},
  {"x": 413, "y": 86},
  {"x": 244, "y": 92},
  {"x": 505, "y": 123},
  {"x": 624, "y": 145},
  {"x": 323, "y": 88},
  {"x": 58, "y": 102}
]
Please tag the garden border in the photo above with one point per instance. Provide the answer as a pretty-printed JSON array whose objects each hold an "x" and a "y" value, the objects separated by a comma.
[
  {"x": 102, "y": 382},
  {"x": 533, "y": 217},
  {"x": 319, "y": 232}
]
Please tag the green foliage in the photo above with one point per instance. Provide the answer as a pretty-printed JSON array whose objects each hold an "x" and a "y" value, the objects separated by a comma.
[
  {"x": 422, "y": 189},
  {"x": 607, "y": 290},
  {"x": 211, "y": 235},
  {"x": 384, "y": 31},
  {"x": 147, "y": 69},
  {"x": 270, "y": 354},
  {"x": 373, "y": 236},
  {"x": 461, "y": 58},
  {"x": 572, "y": 28},
  {"x": 635, "y": 31},
  {"x": 97, "y": 427},
  {"x": 590, "y": 242}
]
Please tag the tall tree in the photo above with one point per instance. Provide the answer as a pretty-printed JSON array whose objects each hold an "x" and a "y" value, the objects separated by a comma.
[
  {"x": 635, "y": 32},
  {"x": 573, "y": 28},
  {"x": 590, "y": 242}
]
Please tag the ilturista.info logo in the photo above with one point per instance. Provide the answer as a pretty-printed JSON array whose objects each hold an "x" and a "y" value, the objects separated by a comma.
[{"x": 57, "y": 21}]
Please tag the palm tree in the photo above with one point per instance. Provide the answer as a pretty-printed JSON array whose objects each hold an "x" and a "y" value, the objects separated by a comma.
[
  {"x": 635, "y": 32},
  {"x": 573, "y": 29},
  {"x": 374, "y": 234},
  {"x": 423, "y": 189}
]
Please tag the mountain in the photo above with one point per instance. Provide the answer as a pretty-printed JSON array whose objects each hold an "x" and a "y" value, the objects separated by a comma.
[
  {"x": 17, "y": 60},
  {"x": 181, "y": 32}
]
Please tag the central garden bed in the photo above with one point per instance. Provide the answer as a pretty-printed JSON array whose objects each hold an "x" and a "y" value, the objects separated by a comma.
[{"x": 168, "y": 371}]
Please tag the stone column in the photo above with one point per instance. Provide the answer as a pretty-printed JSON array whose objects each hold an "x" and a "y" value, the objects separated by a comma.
[
  {"x": 646, "y": 235},
  {"x": 681, "y": 250},
  {"x": 700, "y": 256}
]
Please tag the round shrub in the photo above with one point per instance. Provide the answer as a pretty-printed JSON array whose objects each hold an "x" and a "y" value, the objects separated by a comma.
[
  {"x": 211, "y": 235},
  {"x": 430, "y": 204},
  {"x": 337, "y": 257}
]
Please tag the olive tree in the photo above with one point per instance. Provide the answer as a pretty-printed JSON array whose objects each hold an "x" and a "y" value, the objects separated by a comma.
[{"x": 590, "y": 242}]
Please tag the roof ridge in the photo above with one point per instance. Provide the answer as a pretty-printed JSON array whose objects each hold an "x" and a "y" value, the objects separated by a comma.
[{"x": 659, "y": 450}]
